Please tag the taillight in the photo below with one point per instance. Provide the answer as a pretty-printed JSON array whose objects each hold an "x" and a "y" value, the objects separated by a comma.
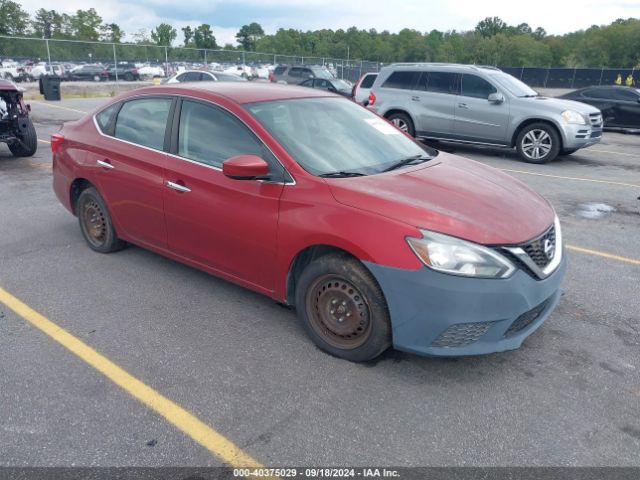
[
  {"x": 372, "y": 98},
  {"x": 56, "y": 141},
  {"x": 271, "y": 76}
]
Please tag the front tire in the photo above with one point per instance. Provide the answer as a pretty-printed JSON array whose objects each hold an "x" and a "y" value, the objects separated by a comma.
[
  {"x": 95, "y": 223},
  {"x": 28, "y": 138},
  {"x": 343, "y": 308},
  {"x": 538, "y": 143},
  {"x": 403, "y": 122}
]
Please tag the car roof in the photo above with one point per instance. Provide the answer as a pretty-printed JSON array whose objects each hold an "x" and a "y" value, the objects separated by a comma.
[
  {"x": 453, "y": 67},
  {"x": 239, "y": 92}
]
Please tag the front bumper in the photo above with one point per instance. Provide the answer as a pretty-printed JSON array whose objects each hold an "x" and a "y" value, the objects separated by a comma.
[
  {"x": 437, "y": 314},
  {"x": 581, "y": 136}
]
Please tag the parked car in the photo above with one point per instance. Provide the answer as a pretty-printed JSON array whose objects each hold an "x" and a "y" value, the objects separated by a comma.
[
  {"x": 96, "y": 73},
  {"x": 310, "y": 199},
  {"x": 243, "y": 71},
  {"x": 334, "y": 85},
  {"x": 620, "y": 106},
  {"x": 203, "y": 76},
  {"x": 16, "y": 128},
  {"x": 13, "y": 71},
  {"x": 296, "y": 74},
  {"x": 43, "y": 68},
  {"x": 151, "y": 71},
  {"x": 125, "y": 71},
  {"x": 485, "y": 106},
  {"x": 362, "y": 87}
]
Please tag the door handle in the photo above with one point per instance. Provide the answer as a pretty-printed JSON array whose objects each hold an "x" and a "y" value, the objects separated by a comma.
[
  {"x": 463, "y": 105},
  {"x": 105, "y": 164},
  {"x": 178, "y": 187},
  {"x": 415, "y": 98}
]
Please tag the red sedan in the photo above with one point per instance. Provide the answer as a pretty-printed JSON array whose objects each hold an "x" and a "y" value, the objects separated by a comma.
[{"x": 302, "y": 195}]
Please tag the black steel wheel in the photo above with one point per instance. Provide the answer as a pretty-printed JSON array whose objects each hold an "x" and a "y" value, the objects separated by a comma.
[
  {"x": 343, "y": 308},
  {"x": 28, "y": 139},
  {"x": 95, "y": 222}
]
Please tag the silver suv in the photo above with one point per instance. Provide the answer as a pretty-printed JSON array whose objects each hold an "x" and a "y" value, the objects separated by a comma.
[{"x": 484, "y": 106}]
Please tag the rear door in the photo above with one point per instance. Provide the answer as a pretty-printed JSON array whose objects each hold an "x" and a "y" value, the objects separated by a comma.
[
  {"x": 476, "y": 119},
  {"x": 130, "y": 161},
  {"x": 434, "y": 101},
  {"x": 224, "y": 224},
  {"x": 627, "y": 108}
]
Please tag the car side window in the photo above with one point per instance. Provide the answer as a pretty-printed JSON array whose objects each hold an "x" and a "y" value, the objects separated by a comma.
[
  {"x": 306, "y": 73},
  {"x": 474, "y": 86},
  {"x": 295, "y": 72},
  {"x": 442, "y": 82},
  {"x": 143, "y": 121},
  {"x": 625, "y": 95},
  {"x": 182, "y": 77},
  {"x": 323, "y": 84},
  {"x": 601, "y": 93},
  {"x": 367, "y": 81},
  {"x": 210, "y": 135},
  {"x": 103, "y": 118},
  {"x": 401, "y": 79}
]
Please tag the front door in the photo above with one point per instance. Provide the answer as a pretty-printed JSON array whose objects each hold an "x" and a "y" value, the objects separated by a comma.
[{"x": 228, "y": 225}]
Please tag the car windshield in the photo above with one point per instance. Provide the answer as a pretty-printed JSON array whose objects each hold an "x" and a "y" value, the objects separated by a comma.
[
  {"x": 333, "y": 135},
  {"x": 322, "y": 73},
  {"x": 513, "y": 85}
]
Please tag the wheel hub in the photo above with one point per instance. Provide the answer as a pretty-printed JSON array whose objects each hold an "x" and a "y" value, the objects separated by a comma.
[
  {"x": 95, "y": 222},
  {"x": 339, "y": 313}
]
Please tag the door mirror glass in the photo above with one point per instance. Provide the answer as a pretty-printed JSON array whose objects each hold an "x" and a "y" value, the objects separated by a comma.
[
  {"x": 245, "y": 167},
  {"x": 496, "y": 98}
]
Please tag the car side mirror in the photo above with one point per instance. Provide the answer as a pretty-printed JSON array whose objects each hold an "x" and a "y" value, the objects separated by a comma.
[
  {"x": 245, "y": 167},
  {"x": 496, "y": 98}
]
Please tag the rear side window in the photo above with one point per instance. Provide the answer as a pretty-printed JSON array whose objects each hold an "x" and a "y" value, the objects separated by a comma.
[
  {"x": 144, "y": 122},
  {"x": 442, "y": 82},
  {"x": 104, "y": 118},
  {"x": 211, "y": 136},
  {"x": 279, "y": 70},
  {"x": 295, "y": 72},
  {"x": 474, "y": 86},
  {"x": 604, "y": 93},
  {"x": 367, "y": 81},
  {"x": 401, "y": 79}
]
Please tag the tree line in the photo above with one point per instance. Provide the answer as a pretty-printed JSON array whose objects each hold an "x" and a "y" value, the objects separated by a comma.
[{"x": 492, "y": 42}]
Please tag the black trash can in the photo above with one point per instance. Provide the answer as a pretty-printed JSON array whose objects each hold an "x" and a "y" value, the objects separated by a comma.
[{"x": 50, "y": 87}]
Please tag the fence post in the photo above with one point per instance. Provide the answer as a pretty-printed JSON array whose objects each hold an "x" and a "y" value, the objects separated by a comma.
[
  {"x": 601, "y": 75},
  {"x": 574, "y": 76},
  {"x": 244, "y": 61},
  {"x": 115, "y": 63},
  {"x": 166, "y": 62},
  {"x": 360, "y": 69},
  {"x": 546, "y": 77},
  {"x": 46, "y": 40},
  {"x": 521, "y": 72},
  {"x": 205, "y": 59}
]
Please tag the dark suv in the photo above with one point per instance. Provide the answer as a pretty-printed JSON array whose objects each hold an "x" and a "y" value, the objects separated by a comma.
[
  {"x": 16, "y": 128},
  {"x": 295, "y": 74}
]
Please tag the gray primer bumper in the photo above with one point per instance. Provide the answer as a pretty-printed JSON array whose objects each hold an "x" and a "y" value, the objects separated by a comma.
[{"x": 424, "y": 303}]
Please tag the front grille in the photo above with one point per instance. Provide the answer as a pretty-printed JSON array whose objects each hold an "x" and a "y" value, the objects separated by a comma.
[
  {"x": 595, "y": 119},
  {"x": 535, "y": 248},
  {"x": 526, "y": 319},
  {"x": 462, "y": 334}
]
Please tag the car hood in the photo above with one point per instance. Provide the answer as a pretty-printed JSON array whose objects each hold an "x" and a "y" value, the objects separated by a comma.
[
  {"x": 454, "y": 196},
  {"x": 562, "y": 104}
]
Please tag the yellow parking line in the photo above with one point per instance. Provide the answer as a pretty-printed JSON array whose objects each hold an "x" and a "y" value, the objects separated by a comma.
[
  {"x": 44, "y": 141},
  {"x": 571, "y": 178},
  {"x": 603, "y": 254},
  {"x": 206, "y": 436},
  {"x": 58, "y": 106}
]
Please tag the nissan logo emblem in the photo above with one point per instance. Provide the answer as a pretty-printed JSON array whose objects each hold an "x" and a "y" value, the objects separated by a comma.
[{"x": 549, "y": 249}]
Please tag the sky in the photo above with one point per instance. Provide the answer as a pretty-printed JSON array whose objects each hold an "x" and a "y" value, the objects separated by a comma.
[{"x": 226, "y": 17}]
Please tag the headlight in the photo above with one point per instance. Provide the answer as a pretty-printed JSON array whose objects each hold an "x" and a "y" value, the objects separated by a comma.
[
  {"x": 571, "y": 116},
  {"x": 459, "y": 257}
]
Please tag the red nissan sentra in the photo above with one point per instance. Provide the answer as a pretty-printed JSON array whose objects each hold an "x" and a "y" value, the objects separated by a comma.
[{"x": 306, "y": 197}]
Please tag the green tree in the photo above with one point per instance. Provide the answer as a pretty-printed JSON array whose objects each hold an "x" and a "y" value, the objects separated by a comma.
[
  {"x": 164, "y": 34},
  {"x": 248, "y": 35},
  {"x": 43, "y": 23},
  {"x": 491, "y": 26},
  {"x": 111, "y": 32},
  {"x": 13, "y": 19},
  {"x": 203, "y": 37},
  {"x": 188, "y": 34},
  {"x": 86, "y": 25}
]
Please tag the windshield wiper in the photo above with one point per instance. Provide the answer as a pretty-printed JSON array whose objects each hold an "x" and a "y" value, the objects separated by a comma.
[
  {"x": 407, "y": 161},
  {"x": 341, "y": 174}
]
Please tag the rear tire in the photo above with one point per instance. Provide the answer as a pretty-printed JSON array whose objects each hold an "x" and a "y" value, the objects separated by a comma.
[
  {"x": 95, "y": 223},
  {"x": 343, "y": 308},
  {"x": 29, "y": 139},
  {"x": 538, "y": 143},
  {"x": 403, "y": 122}
]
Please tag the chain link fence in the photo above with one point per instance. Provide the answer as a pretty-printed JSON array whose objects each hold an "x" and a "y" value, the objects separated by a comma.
[{"x": 25, "y": 59}]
